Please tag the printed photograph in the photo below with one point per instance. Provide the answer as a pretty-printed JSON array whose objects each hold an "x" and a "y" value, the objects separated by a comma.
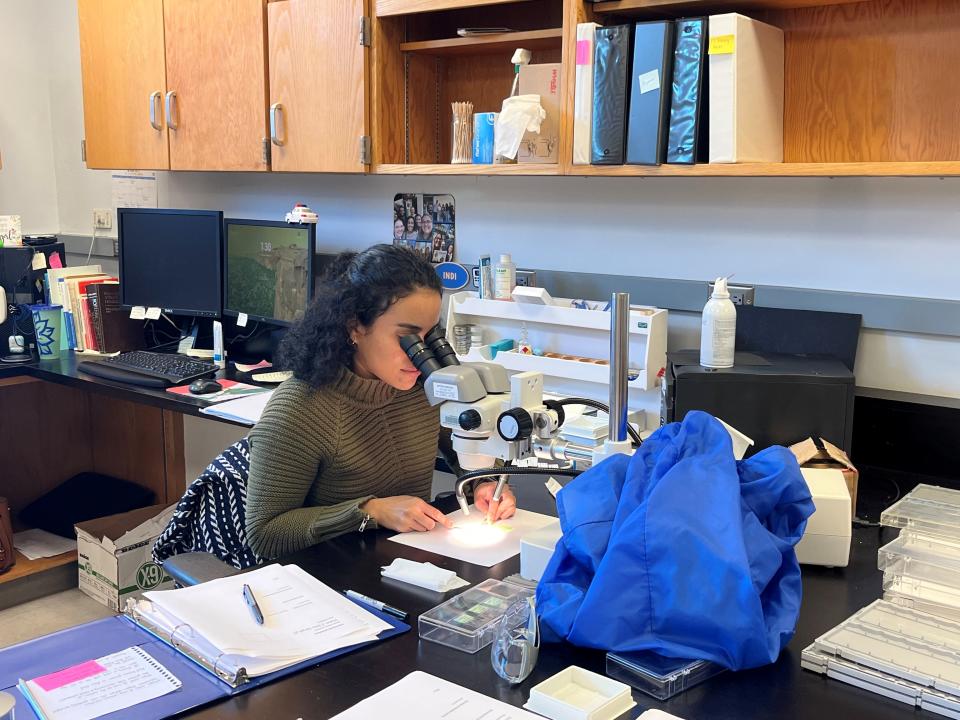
[{"x": 427, "y": 224}]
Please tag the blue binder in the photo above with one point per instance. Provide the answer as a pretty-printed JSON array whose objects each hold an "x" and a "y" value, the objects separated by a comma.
[
  {"x": 650, "y": 92},
  {"x": 611, "y": 63},
  {"x": 102, "y": 637},
  {"x": 686, "y": 140}
]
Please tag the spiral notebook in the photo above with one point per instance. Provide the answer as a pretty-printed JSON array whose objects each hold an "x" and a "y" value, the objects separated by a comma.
[{"x": 95, "y": 688}]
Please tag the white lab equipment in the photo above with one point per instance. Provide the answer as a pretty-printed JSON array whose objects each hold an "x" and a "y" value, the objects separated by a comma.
[{"x": 826, "y": 539}]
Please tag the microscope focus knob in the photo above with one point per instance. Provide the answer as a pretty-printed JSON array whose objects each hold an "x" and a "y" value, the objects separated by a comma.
[
  {"x": 469, "y": 420},
  {"x": 515, "y": 424}
]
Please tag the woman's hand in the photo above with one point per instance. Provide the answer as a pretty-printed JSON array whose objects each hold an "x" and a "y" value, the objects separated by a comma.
[
  {"x": 483, "y": 499},
  {"x": 405, "y": 513}
]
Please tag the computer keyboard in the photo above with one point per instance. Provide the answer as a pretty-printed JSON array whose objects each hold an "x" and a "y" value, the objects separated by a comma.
[{"x": 163, "y": 367}]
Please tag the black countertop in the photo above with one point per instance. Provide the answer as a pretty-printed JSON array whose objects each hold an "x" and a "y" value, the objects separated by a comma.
[
  {"x": 781, "y": 690},
  {"x": 64, "y": 371}
]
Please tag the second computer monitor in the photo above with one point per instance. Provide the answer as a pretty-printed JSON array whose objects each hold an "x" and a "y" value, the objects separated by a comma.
[{"x": 268, "y": 269}]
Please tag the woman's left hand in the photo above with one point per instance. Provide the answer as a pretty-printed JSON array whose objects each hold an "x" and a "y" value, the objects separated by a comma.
[{"x": 483, "y": 499}]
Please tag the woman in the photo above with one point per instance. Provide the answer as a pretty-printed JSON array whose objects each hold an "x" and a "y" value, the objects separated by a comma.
[
  {"x": 411, "y": 234},
  {"x": 349, "y": 442},
  {"x": 398, "y": 229}
]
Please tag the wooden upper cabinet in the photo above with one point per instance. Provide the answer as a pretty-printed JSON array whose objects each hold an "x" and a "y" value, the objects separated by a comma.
[
  {"x": 318, "y": 98},
  {"x": 216, "y": 83},
  {"x": 122, "y": 60}
]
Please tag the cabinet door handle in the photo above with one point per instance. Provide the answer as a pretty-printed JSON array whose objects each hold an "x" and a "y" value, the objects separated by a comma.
[
  {"x": 276, "y": 119},
  {"x": 154, "y": 100},
  {"x": 173, "y": 117}
]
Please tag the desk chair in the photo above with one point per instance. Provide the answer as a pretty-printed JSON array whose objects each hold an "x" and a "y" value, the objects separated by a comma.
[{"x": 210, "y": 520}]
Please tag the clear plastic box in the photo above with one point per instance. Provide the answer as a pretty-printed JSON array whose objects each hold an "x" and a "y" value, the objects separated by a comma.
[
  {"x": 927, "y": 509},
  {"x": 658, "y": 676},
  {"x": 469, "y": 621},
  {"x": 922, "y": 595}
]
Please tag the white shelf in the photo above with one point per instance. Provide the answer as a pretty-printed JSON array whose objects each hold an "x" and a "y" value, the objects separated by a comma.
[
  {"x": 642, "y": 318},
  {"x": 565, "y": 330},
  {"x": 555, "y": 367}
]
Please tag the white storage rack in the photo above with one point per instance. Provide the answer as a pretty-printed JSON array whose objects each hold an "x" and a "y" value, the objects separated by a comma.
[{"x": 562, "y": 328}]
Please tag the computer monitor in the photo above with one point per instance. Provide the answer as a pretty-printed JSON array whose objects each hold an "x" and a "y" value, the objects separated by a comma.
[
  {"x": 171, "y": 259},
  {"x": 268, "y": 269}
]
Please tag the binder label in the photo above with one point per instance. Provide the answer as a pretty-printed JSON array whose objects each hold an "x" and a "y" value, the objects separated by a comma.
[
  {"x": 583, "y": 52},
  {"x": 722, "y": 45},
  {"x": 650, "y": 81}
]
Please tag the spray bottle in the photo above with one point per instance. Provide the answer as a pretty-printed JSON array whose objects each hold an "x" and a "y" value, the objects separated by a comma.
[{"x": 718, "y": 328}]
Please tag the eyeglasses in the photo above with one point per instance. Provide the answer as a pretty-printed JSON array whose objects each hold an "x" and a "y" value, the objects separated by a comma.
[{"x": 516, "y": 648}]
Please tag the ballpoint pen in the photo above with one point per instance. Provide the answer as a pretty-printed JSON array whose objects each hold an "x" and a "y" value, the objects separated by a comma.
[
  {"x": 382, "y": 606},
  {"x": 252, "y": 604}
]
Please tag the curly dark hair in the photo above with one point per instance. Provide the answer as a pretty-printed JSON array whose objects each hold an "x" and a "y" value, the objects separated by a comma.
[{"x": 355, "y": 288}]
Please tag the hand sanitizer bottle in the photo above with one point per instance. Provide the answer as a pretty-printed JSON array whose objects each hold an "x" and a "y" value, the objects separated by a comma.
[{"x": 718, "y": 328}]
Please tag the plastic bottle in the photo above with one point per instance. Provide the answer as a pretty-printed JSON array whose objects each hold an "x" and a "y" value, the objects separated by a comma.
[
  {"x": 718, "y": 328},
  {"x": 504, "y": 278}
]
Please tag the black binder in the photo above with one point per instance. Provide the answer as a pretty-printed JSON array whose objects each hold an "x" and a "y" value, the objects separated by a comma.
[
  {"x": 610, "y": 70},
  {"x": 650, "y": 92},
  {"x": 687, "y": 137}
]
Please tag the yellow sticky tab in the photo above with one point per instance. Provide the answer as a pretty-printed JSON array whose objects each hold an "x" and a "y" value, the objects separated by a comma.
[{"x": 722, "y": 45}]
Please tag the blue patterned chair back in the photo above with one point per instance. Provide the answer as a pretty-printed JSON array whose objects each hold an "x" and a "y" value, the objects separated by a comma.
[{"x": 210, "y": 516}]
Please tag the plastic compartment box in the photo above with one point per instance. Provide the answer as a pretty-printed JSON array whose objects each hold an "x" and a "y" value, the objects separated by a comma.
[
  {"x": 927, "y": 509},
  {"x": 469, "y": 621},
  {"x": 658, "y": 676},
  {"x": 578, "y": 694}
]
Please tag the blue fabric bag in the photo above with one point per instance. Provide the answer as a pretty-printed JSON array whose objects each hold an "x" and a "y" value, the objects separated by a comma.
[{"x": 680, "y": 549}]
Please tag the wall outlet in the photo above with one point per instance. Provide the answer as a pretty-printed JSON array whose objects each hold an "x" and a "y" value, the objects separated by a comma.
[
  {"x": 739, "y": 294},
  {"x": 525, "y": 278},
  {"x": 102, "y": 219}
]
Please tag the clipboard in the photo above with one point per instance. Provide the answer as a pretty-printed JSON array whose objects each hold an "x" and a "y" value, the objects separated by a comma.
[{"x": 200, "y": 684}]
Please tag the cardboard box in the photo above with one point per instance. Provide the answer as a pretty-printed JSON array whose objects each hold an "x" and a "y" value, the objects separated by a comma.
[
  {"x": 115, "y": 555},
  {"x": 543, "y": 80},
  {"x": 828, "y": 457}
]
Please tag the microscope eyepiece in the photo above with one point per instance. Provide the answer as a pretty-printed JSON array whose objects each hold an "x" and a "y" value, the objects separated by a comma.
[
  {"x": 440, "y": 347},
  {"x": 420, "y": 355}
]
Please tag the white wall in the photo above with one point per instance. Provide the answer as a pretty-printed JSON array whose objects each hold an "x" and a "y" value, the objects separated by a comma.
[
  {"x": 881, "y": 235},
  {"x": 27, "y": 181}
]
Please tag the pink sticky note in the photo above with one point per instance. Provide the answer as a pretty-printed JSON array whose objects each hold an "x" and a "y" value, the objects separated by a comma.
[
  {"x": 55, "y": 261},
  {"x": 583, "y": 52},
  {"x": 69, "y": 675}
]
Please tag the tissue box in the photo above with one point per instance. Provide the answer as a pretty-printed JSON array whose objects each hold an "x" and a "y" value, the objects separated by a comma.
[
  {"x": 114, "y": 554},
  {"x": 824, "y": 455},
  {"x": 543, "y": 80}
]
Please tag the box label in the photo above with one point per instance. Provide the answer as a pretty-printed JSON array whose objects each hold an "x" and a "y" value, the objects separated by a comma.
[
  {"x": 722, "y": 45},
  {"x": 649, "y": 81}
]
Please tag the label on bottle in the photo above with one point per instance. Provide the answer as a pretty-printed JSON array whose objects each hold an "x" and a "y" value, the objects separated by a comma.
[
  {"x": 503, "y": 283},
  {"x": 718, "y": 343}
]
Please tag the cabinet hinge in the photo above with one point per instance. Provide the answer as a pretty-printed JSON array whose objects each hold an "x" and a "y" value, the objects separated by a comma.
[
  {"x": 365, "y": 150},
  {"x": 364, "y": 31},
  {"x": 83, "y": 150},
  {"x": 266, "y": 151}
]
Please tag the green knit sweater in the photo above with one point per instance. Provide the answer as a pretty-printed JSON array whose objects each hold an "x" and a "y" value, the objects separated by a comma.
[{"x": 318, "y": 454}]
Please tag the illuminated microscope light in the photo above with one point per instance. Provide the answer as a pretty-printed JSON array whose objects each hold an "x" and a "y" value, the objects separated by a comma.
[{"x": 479, "y": 533}]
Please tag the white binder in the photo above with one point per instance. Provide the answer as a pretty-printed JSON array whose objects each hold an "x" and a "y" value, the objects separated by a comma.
[
  {"x": 746, "y": 90},
  {"x": 583, "y": 94}
]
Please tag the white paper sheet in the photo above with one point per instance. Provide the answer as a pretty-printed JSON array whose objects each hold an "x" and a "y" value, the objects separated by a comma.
[
  {"x": 302, "y": 616},
  {"x": 420, "y": 696},
  {"x": 474, "y": 541},
  {"x": 134, "y": 189},
  {"x": 245, "y": 410},
  {"x": 40, "y": 544},
  {"x": 97, "y": 687}
]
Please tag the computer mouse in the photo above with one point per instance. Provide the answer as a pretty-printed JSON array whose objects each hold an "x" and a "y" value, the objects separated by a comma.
[{"x": 205, "y": 386}]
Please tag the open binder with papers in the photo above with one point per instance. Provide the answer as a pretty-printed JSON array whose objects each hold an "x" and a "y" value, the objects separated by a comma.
[{"x": 206, "y": 638}]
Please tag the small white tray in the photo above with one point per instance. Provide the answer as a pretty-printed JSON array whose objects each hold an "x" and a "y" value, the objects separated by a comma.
[{"x": 578, "y": 694}]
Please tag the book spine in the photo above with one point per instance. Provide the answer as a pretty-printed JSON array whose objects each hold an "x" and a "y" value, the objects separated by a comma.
[
  {"x": 96, "y": 318},
  {"x": 77, "y": 312},
  {"x": 89, "y": 337},
  {"x": 67, "y": 315}
]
